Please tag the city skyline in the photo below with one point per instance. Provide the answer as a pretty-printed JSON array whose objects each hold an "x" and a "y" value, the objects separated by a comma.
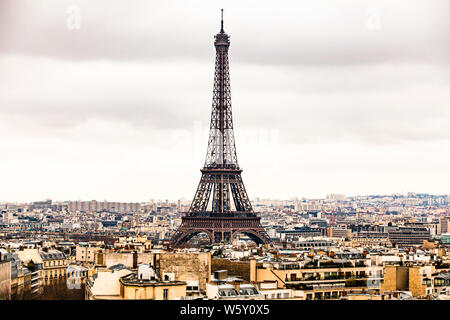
[
  {"x": 326, "y": 99},
  {"x": 256, "y": 198}
]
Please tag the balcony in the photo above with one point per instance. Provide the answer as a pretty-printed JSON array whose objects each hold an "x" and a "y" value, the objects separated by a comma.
[
  {"x": 355, "y": 282},
  {"x": 340, "y": 277}
]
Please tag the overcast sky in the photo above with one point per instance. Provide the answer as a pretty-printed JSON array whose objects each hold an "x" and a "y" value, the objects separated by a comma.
[{"x": 330, "y": 96}]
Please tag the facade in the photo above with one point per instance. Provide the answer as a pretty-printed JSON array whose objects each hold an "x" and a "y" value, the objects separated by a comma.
[
  {"x": 193, "y": 268},
  {"x": 25, "y": 279},
  {"x": 5, "y": 280},
  {"x": 137, "y": 243},
  {"x": 50, "y": 264},
  {"x": 100, "y": 206},
  {"x": 269, "y": 290},
  {"x": 86, "y": 253},
  {"x": 104, "y": 285},
  {"x": 300, "y": 232},
  {"x": 76, "y": 276},
  {"x": 408, "y": 236},
  {"x": 54, "y": 266},
  {"x": 134, "y": 287},
  {"x": 443, "y": 226},
  {"x": 339, "y": 232},
  {"x": 327, "y": 280},
  {"x": 222, "y": 287},
  {"x": 438, "y": 284},
  {"x": 414, "y": 279}
]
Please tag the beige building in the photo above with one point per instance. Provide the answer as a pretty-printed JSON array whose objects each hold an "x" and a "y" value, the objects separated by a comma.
[
  {"x": 104, "y": 285},
  {"x": 5, "y": 280},
  {"x": 193, "y": 268},
  {"x": 132, "y": 287},
  {"x": 54, "y": 263},
  {"x": 407, "y": 278},
  {"x": 97, "y": 206},
  {"x": 139, "y": 244},
  {"x": 86, "y": 254},
  {"x": 443, "y": 226},
  {"x": 327, "y": 281},
  {"x": 25, "y": 280},
  {"x": 337, "y": 232},
  {"x": 119, "y": 283}
]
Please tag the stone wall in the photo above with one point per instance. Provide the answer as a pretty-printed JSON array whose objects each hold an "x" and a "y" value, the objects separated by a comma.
[
  {"x": 186, "y": 266},
  {"x": 415, "y": 282},
  {"x": 125, "y": 258},
  {"x": 235, "y": 268},
  {"x": 113, "y": 258}
]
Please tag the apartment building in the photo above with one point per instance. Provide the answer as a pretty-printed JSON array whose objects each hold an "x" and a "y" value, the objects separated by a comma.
[
  {"x": 419, "y": 280},
  {"x": 51, "y": 264},
  {"x": 76, "y": 276},
  {"x": 316, "y": 280},
  {"x": 339, "y": 232},
  {"x": 193, "y": 268},
  {"x": 98, "y": 206},
  {"x": 86, "y": 253},
  {"x": 408, "y": 236},
  {"x": 5, "y": 280},
  {"x": 25, "y": 279},
  {"x": 438, "y": 284},
  {"x": 119, "y": 282},
  {"x": 443, "y": 225},
  {"x": 223, "y": 287}
]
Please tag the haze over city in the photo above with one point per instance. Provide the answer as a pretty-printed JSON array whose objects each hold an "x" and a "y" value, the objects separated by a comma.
[{"x": 326, "y": 98}]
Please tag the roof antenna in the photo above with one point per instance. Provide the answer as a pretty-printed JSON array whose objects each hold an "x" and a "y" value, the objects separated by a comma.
[{"x": 221, "y": 29}]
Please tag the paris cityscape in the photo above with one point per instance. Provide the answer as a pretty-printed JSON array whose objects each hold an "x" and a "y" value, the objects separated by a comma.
[{"x": 337, "y": 236}]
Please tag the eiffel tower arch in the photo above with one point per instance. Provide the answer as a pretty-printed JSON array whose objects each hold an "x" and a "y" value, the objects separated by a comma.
[{"x": 221, "y": 207}]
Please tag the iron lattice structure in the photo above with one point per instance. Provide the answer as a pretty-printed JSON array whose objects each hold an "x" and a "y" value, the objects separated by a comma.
[{"x": 212, "y": 211}]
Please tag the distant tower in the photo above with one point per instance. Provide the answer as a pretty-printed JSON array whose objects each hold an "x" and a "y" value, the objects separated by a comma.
[{"x": 220, "y": 219}]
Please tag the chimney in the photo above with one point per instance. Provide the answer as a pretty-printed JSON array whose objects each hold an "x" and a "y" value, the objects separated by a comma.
[
  {"x": 221, "y": 275},
  {"x": 252, "y": 270},
  {"x": 135, "y": 259}
]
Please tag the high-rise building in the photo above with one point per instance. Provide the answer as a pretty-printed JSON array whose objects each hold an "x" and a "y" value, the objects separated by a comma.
[{"x": 443, "y": 225}]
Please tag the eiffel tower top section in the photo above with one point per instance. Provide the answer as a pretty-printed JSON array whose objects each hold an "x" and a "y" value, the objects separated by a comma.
[
  {"x": 222, "y": 39},
  {"x": 221, "y": 152}
]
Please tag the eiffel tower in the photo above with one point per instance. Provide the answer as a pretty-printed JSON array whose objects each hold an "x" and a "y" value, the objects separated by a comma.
[{"x": 221, "y": 181}]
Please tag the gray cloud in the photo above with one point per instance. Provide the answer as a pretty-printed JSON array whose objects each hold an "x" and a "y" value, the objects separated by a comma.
[
  {"x": 123, "y": 96},
  {"x": 320, "y": 33}
]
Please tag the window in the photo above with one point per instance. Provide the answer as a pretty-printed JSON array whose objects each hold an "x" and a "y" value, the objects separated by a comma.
[{"x": 166, "y": 294}]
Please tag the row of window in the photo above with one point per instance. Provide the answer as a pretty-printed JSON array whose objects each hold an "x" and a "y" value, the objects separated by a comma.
[
  {"x": 278, "y": 295},
  {"x": 55, "y": 263}
]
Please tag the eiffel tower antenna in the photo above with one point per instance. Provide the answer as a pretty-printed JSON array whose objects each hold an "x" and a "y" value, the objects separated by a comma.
[{"x": 221, "y": 22}]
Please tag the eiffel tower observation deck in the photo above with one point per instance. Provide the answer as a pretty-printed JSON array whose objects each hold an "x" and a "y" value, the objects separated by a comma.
[{"x": 221, "y": 207}]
